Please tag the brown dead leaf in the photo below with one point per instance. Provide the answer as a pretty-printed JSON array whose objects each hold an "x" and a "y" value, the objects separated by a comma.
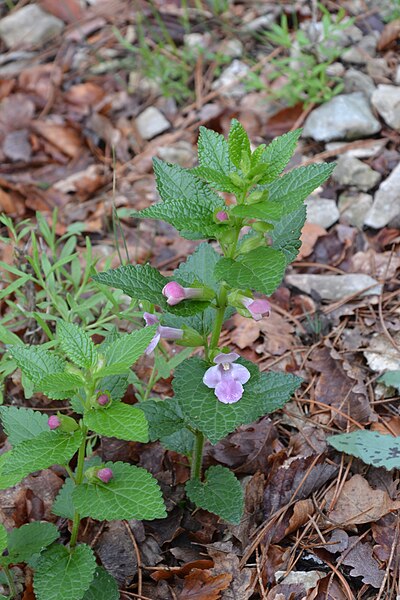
[
  {"x": 389, "y": 35},
  {"x": 41, "y": 81},
  {"x": 386, "y": 535},
  {"x": 359, "y": 503},
  {"x": 283, "y": 120},
  {"x": 390, "y": 426},
  {"x": 68, "y": 10},
  {"x": 85, "y": 95},
  {"x": 62, "y": 137},
  {"x": 278, "y": 335},
  {"x": 202, "y": 585},
  {"x": 381, "y": 265},
  {"x": 301, "y": 514},
  {"x": 226, "y": 562},
  {"x": 359, "y": 556},
  {"x": 309, "y": 235},
  {"x": 245, "y": 331},
  {"x": 168, "y": 573},
  {"x": 11, "y": 204}
]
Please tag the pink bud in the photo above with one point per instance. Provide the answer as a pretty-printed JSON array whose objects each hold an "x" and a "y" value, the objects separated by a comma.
[
  {"x": 53, "y": 422},
  {"x": 174, "y": 293},
  {"x": 257, "y": 308},
  {"x": 222, "y": 216},
  {"x": 103, "y": 399},
  {"x": 105, "y": 475}
]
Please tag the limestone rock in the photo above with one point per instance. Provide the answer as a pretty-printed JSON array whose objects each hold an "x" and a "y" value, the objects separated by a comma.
[
  {"x": 29, "y": 26},
  {"x": 321, "y": 211},
  {"x": 336, "y": 287},
  {"x": 353, "y": 208},
  {"x": 386, "y": 204},
  {"x": 352, "y": 171},
  {"x": 151, "y": 122},
  {"x": 386, "y": 100},
  {"x": 357, "y": 81}
]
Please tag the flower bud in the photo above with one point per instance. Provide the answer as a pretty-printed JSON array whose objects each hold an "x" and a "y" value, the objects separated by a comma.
[
  {"x": 53, "y": 422},
  {"x": 262, "y": 227},
  {"x": 103, "y": 398},
  {"x": 62, "y": 423},
  {"x": 175, "y": 293},
  {"x": 221, "y": 216},
  {"x": 105, "y": 475}
]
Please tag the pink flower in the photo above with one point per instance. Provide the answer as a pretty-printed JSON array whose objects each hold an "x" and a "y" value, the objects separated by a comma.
[
  {"x": 105, "y": 475},
  {"x": 222, "y": 215},
  {"x": 167, "y": 333},
  {"x": 53, "y": 422},
  {"x": 175, "y": 293},
  {"x": 103, "y": 399},
  {"x": 257, "y": 308},
  {"x": 227, "y": 378}
]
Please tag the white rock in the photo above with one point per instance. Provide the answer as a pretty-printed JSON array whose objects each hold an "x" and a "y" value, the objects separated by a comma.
[
  {"x": 362, "y": 152},
  {"x": 197, "y": 40},
  {"x": 336, "y": 287},
  {"x": 151, "y": 122},
  {"x": 322, "y": 211},
  {"x": 356, "y": 81},
  {"x": 231, "y": 77},
  {"x": 29, "y": 26},
  {"x": 352, "y": 171},
  {"x": 353, "y": 208},
  {"x": 381, "y": 355},
  {"x": 347, "y": 116},
  {"x": 397, "y": 76},
  {"x": 180, "y": 153},
  {"x": 377, "y": 68},
  {"x": 386, "y": 204},
  {"x": 365, "y": 50},
  {"x": 386, "y": 100},
  {"x": 232, "y": 48}
]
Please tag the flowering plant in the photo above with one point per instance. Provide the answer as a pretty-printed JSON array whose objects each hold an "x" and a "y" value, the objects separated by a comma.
[{"x": 258, "y": 235}]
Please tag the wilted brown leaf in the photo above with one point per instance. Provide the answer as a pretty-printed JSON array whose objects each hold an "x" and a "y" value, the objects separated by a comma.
[
  {"x": 389, "y": 35},
  {"x": 359, "y": 556},
  {"x": 245, "y": 331},
  {"x": 309, "y": 235},
  {"x": 62, "y": 137},
  {"x": 359, "y": 503},
  {"x": 226, "y": 562},
  {"x": 301, "y": 514},
  {"x": 202, "y": 585}
]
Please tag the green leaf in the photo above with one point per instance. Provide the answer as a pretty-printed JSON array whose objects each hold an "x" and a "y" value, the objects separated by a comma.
[
  {"x": 64, "y": 574},
  {"x": 391, "y": 379},
  {"x": 165, "y": 367},
  {"x": 238, "y": 143},
  {"x": 277, "y": 154},
  {"x": 60, "y": 385},
  {"x": 146, "y": 283},
  {"x": 133, "y": 493},
  {"x": 116, "y": 385},
  {"x": 372, "y": 447},
  {"x": 199, "y": 267},
  {"x": 264, "y": 211},
  {"x": 121, "y": 354},
  {"x": 103, "y": 587},
  {"x": 286, "y": 233},
  {"x": 261, "y": 269},
  {"x": 165, "y": 417},
  {"x": 22, "y": 424},
  {"x": 218, "y": 181},
  {"x": 63, "y": 505},
  {"x": 181, "y": 441},
  {"x": 120, "y": 420},
  {"x": 77, "y": 344},
  {"x": 3, "y": 538},
  {"x": 30, "y": 539},
  {"x": 213, "y": 151},
  {"x": 220, "y": 493},
  {"x": 11, "y": 479},
  {"x": 36, "y": 362},
  {"x": 43, "y": 451},
  {"x": 263, "y": 393}
]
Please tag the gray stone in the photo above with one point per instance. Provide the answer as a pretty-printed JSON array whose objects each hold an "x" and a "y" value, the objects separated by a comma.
[
  {"x": 336, "y": 287},
  {"x": 386, "y": 100},
  {"x": 194, "y": 41},
  {"x": 322, "y": 211},
  {"x": 386, "y": 204},
  {"x": 232, "y": 48},
  {"x": 356, "y": 81},
  {"x": 263, "y": 22},
  {"x": 151, "y": 122},
  {"x": 353, "y": 208},
  {"x": 180, "y": 153},
  {"x": 362, "y": 152},
  {"x": 29, "y": 26},
  {"x": 231, "y": 78},
  {"x": 336, "y": 69},
  {"x": 352, "y": 171},
  {"x": 379, "y": 70},
  {"x": 363, "y": 52},
  {"x": 347, "y": 117},
  {"x": 397, "y": 76}
]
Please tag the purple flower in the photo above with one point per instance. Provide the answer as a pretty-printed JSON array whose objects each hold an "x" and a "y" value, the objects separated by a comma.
[
  {"x": 53, "y": 422},
  {"x": 103, "y": 399},
  {"x": 175, "y": 293},
  {"x": 105, "y": 475},
  {"x": 222, "y": 215},
  {"x": 227, "y": 378},
  {"x": 167, "y": 333},
  {"x": 257, "y": 308}
]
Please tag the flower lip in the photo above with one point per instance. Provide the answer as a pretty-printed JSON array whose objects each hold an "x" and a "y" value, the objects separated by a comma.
[
  {"x": 227, "y": 378},
  {"x": 174, "y": 293},
  {"x": 258, "y": 308},
  {"x": 150, "y": 318},
  {"x": 226, "y": 358}
]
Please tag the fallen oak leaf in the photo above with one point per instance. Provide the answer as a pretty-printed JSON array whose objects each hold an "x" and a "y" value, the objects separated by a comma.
[
  {"x": 202, "y": 585},
  {"x": 359, "y": 556}
]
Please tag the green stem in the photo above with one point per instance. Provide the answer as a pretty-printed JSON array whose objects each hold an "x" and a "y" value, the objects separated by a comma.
[
  {"x": 219, "y": 319},
  {"x": 10, "y": 581},
  {"x": 197, "y": 457},
  {"x": 78, "y": 481}
]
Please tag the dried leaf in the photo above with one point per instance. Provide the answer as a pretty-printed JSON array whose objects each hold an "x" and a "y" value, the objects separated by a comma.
[
  {"x": 359, "y": 556},
  {"x": 202, "y": 585},
  {"x": 245, "y": 331},
  {"x": 309, "y": 236},
  {"x": 62, "y": 137}
]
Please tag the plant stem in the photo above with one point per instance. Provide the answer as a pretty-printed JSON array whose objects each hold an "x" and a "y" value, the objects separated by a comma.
[
  {"x": 78, "y": 481},
  {"x": 10, "y": 581},
  {"x": 197, "y": 458}
]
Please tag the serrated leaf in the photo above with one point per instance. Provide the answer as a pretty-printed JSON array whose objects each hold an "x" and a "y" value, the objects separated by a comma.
[
  {"x": 264, "y": 211},
  {"x": 238, "y": 143},
  {"x": 63, "y": 505},
  {"x": 165, "y": 417},
  {"x": 77, "y": 344},
  {"x": 391, "y": 379},
  {"x": 220, "y": 493},
  {"x": 120, "y": 420},
  {"x": 213, "y": 151},
  {"x": 103, "y": 587},
  {"x": 36, "y": 362},
  {"x": 11, "y": 479},
  {"x": 286, "y": 233},
  {"x": 146, "y": 283},
  {"x": 261, "y": 269},
  {"x": 60, "y": 385},
  {"x": 263, "y": 393},
  {"x": 22, "y": 424},
  {"x": 43, "y": 451},
  {"x": 199, "y": 267},
  {"x": 216, "y": 180},
  {"x": 181, "y": 441},
  {"x": 372, "y": 447},
  {"x": 121, "y": 354},
  {"x": 64, "y": 574},
  {"x": 133, "y": 493},
  {"x": 278, "y": 153},
  {"x": 3, "y": 538},
  {"x": 30, "y": 539},
  {"x": 116, "y": 385}
]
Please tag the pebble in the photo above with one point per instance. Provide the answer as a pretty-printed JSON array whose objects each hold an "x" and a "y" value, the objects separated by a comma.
[
  {"x": 151, "y": 122},
  {"x": 194, "y": 41},
  {"x": 352, "y": 171},
  {"x": 231, "y": 77},
  {"x": 335, "y": 287},
  {"x": 386, "y": 100},
  {"x": 29, "y": 26},
  {"x": 353, "y": 208},
  {"x": 322, "y": 211},
  {"x": 397, "y": 76},
  {"x": 357, "y": 81},
  {"x": 363, "y": 52},
  {"x": 344, "y": 117},
  {"x": 379, "y": 70},
  {"x": 362, "y": 152},
  {"x": 180, "y": 153},
  {"x": 232, "y": 48},
  {"x": 386, "y": 204}
]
